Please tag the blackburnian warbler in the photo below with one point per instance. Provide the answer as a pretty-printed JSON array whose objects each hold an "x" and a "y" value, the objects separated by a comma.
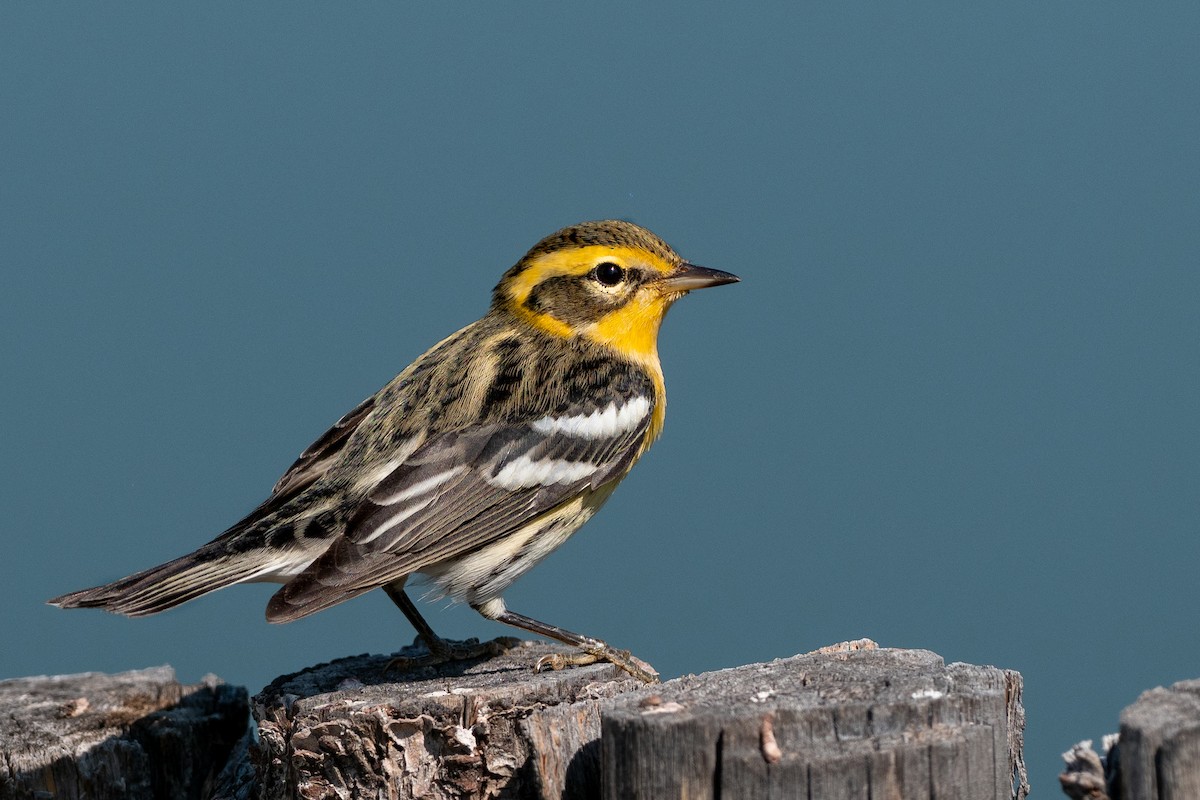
[{"x": 475, "y": 462}]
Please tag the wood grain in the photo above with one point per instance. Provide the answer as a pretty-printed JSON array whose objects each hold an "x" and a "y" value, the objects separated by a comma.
[{"x": 135, "y": 735}]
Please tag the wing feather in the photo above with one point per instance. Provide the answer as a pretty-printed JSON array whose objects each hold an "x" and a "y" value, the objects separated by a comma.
[
  {"x": 464, "y": 490},
  {"x": 313, "y": 462}
]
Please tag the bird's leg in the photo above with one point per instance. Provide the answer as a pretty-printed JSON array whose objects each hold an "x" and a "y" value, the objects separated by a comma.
[
  {"x": 591, "y": 650},
  {"x": 440, "y": 650},
  {"x": 435, "y": 644}
]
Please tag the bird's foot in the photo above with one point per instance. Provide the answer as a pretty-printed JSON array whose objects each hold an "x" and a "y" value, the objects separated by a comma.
[
  {"x": 444, "y": 650},
  {"x": 599, "y": 651}
]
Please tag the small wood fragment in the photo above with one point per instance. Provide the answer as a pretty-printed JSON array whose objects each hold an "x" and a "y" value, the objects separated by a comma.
[
  {"x": 1083, "y": 778},
  {"x": 770, "y": 747}
]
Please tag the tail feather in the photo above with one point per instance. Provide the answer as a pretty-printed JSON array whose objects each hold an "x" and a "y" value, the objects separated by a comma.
[{"x": 165, "y": 586}]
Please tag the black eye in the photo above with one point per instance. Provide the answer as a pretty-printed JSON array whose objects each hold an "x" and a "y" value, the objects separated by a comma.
[{"x": 608, "y": 273}]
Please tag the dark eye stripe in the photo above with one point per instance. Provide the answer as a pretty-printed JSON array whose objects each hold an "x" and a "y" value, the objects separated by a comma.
[{"x": 583, "y": 298}]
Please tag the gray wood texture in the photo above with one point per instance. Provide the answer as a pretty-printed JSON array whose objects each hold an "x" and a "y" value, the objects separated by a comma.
[
  {"x": 133, "y": 735},
  {"x": 1159, "y": 750},
  {"x": 849, "y": 721},
  {"x": 479, "y": 729},
  {"x": 866, "y": 723}
]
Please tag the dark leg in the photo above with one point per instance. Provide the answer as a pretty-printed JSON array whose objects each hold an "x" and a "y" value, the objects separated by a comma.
[
  {"x": 440, "y": 650},
  {"x": 592, "y": 650},
  {"x": 435, "y": 643}
]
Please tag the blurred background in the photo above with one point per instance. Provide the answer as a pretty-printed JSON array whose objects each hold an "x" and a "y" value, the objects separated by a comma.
[{"x": 952, "y": 405}]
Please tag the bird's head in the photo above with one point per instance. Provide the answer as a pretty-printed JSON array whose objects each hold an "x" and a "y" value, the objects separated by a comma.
[{"x": 609, "y": 281}]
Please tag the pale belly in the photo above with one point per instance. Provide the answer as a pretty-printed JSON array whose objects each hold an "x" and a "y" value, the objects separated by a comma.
[{"x": 486, "y": 573}]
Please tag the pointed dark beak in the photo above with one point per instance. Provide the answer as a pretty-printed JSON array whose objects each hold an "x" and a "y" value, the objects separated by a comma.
[{"x": 690, "y": 276}]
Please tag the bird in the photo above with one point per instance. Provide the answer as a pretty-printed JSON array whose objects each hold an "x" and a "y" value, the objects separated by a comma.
[{"x": 475, "y": 462}]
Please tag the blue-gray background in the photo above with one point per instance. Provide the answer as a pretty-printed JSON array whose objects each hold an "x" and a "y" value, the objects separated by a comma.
[{"x": 951, "y": 406}]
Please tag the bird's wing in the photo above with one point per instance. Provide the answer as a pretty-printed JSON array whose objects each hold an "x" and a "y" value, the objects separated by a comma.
[
  {"x": 313, "y": 462},
  {"x": 463, "y": 490},
  {"x": 308, "y": 468}
]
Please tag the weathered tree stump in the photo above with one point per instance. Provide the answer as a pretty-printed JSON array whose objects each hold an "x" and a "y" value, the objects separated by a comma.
[
  {"x": 470, "y": 729},
  {"x": 848, "y": 721},
  {"x": 1160, "y": 745},
  {"x": 837, "y": 723},
  {"x": 1155, "y": 757},
  {"x": 131, "y": 736}
]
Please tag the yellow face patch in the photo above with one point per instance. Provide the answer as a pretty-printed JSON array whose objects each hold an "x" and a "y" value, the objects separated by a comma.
[
  {"x": 543, "y": 321},
  {"x": 633, "y": 328},
  {"x": 634, "y": 324},
  {"x": 578, "y": 261}
]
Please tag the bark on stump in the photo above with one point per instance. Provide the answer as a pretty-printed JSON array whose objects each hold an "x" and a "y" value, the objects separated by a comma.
[
  {"x": 136, "y": 735},
  {"x": 470, "y": 729},
  {"x": 848, "y": 723}
]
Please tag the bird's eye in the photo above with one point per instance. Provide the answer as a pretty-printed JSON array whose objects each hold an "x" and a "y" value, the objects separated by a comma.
[{"x": 608, "y": 273}]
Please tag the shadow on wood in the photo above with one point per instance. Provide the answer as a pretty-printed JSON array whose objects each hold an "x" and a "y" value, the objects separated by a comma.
[{"x": 132, "y": 735}]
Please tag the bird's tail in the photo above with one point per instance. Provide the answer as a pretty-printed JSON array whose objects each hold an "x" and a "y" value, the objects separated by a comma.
[{"x": 165, "y": 586}]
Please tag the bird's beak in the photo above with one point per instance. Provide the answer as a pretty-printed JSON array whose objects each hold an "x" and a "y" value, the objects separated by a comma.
[{"x": 690, "y": 276}]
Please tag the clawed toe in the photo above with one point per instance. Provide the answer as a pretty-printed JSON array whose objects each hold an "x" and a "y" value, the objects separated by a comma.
[
  {"x": 620, "y": 658},
  {"x": 557, "y": 661}
]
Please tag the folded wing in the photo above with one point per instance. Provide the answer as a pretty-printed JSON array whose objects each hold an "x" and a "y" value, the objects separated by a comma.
[{"x": 461, "y": 491}]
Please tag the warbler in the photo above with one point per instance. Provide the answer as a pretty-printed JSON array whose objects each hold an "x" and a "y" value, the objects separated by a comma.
[{"x": 475, "y": 462}]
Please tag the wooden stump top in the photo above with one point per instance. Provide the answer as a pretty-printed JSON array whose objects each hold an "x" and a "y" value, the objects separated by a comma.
[
  {"x": 461, "y": 729},
  {"x": 138, "y": 734},
  {"x": 855, "y": 723}
]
